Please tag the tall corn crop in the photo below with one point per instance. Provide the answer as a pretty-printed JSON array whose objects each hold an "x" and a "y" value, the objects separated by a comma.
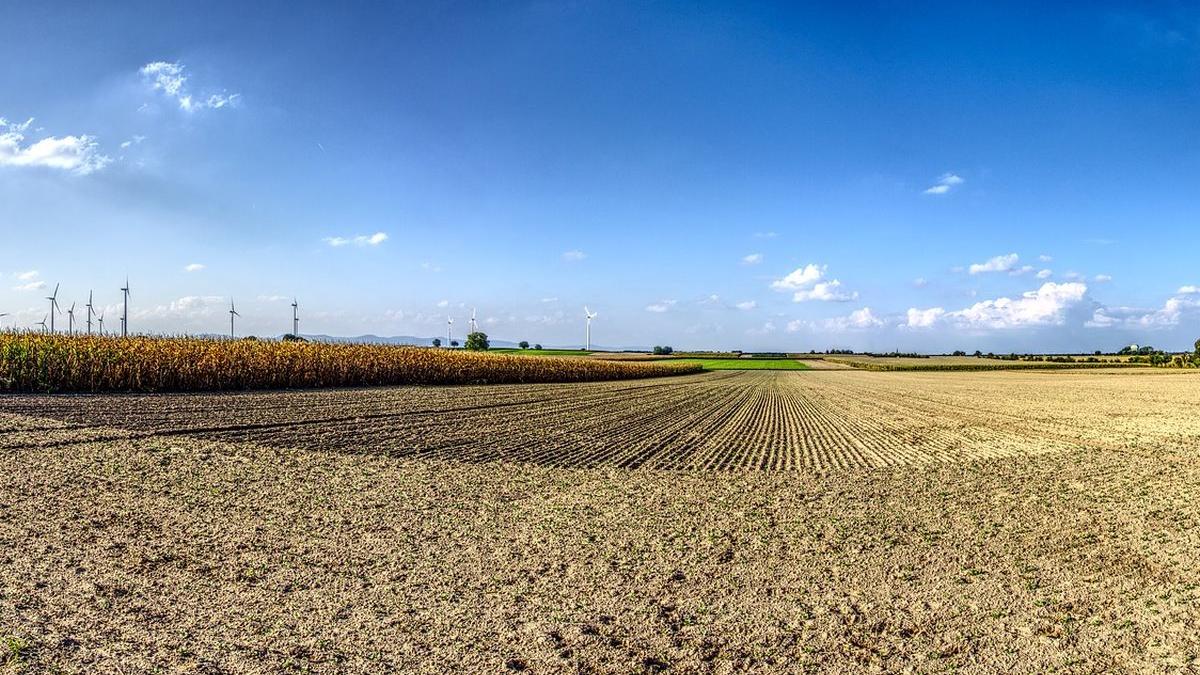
[{"x": 37, "y": 362}]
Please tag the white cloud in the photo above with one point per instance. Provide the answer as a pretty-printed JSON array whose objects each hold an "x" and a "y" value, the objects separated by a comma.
[
  {"x": 765, "y": 329},
  {"x": 944, "y": 184},
  {"x": 77, "y": 154},
  {"x": 573, "y": 255},
  {"x": 357, "y": 240},
  {"x": 746, "y": 305},
  {"x": 859, "y": 319},
  {"x": 1046, "y": 306},
  {"x": 1044, "y": 274},
  {"x": 273, "y": 298},
  {"x": 920, "y": 282},
  {"x": 752, "y": 259},
  {"x": 765, "y": 235},
  {"x": 1045, "y": 258},
  {"x": 1188, "y": 290},
  {"x": 923, "y": 318},
  {"x": 660, "y": 307},
  {"x": 1018, "y": 271},
  {"x": 1102, "y": 278},
  {"x": 1171, "y": 314},
  {"x": 31, "y": 286},
  {"x": 443, "y": 303},
  {"x": 555, "y": 299},
  {"x": 171, "y": 79},
  {"x": 806, "y": 284},
  {"x": 1000, "y": 263},
  {"x": 431, "y": 267},
  {"x": 193, "y": 267},
  {"x": 27, "y": 276},
  {"x": 826, "y": 291},
  {"x": 802, "y": 277}
]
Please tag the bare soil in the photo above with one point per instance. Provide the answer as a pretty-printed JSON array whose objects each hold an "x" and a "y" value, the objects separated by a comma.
[{"x": 860, "y": 522}]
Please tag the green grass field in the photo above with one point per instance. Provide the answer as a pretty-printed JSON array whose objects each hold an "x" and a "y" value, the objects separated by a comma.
[
  {"x": 541, "y": 352},
  {"x": 746, "y": 364}
]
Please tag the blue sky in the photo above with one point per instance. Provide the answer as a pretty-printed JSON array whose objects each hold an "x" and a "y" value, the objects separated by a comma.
[{"x": 763, "y": 176}]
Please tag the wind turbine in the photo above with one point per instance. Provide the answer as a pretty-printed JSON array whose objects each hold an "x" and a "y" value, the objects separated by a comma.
[
  {"x": 53, "y": 306},
  {"x": 449, "y": 327},
  {"x": 42, "y": 323},
  {"x": 295, "y": 318},
  {"x": 71, "y": 320},
  {"x": 232, "y": 313},
  {"x": 90, "y": 312},
  {"x": 474, "y": 326},
  {"x": 101, "y": 319},
  {"x": 587, "y": 345},
  {"x": 125, "y": 311}
]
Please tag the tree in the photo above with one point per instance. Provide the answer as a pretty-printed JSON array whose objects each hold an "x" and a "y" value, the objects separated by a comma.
[
  {"x": 478, "y": 341},
  {"x": 1197, "y": 347},
  {"x": 454, "y": 343},
  {"x": 538, "y": 347},
  {"x": 523, "y": 344},
  {"x": 960, "y": 353},
  {"x": 437, "y": 342},
  {"x": 662, "y": 351},
  {"x": 978, "y": 353}
]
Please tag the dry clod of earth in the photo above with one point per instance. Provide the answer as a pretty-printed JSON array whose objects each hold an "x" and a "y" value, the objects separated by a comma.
[{"x": 858, "y": 522}]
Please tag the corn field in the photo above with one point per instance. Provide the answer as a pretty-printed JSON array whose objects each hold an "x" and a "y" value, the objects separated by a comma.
[{"x": 37, "y": 362}]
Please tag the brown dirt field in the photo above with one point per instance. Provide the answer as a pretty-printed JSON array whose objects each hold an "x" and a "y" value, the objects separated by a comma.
[{"x": 931, "y": 522}]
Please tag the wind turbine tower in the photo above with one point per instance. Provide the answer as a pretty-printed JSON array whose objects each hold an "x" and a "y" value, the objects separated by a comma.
[
  {"x": 53, "y": 306},
  {"x": 71, "y": 320},
  {"x": 474, "y": 326},
  {"x": 42, "y": 323},
  {"x": 232, "y": 313},
  {"x": 101, "y": 320},
  {"x": 125, "y": 311},
  {"x": 90, "y": 312},
  {"x": 449, "y": 331},
  {"x": 295, "y": 318},
  {"x": 587, "y": 345}
]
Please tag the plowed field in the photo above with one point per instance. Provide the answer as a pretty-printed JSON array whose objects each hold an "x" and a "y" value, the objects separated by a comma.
[
  {"x": 747, "y": 420},
  {"x": 811, "y": 522}
]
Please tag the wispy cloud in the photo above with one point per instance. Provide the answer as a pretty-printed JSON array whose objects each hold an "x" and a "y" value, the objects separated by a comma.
[
  {"x": 858, "y": 320},
  {"x": 27, "y": 276},
  {"x": 1045, "y": 274},
  {"x": 944, "y": 184},
  {"x": 746, "y": 305},
  {"x": 765, "y": 235},
  {"x": 357, "y": 240},
  {"x": 1000, "y": 263},
  {"x": 1102, "y": 278},
  {"x": 171, "y": 79},
  {"x": 77, "y": 154},
  {"x": 752, "y": 259},
  {"x": 573, "y": 255},
  {"x": 193, "y": 267},
  {"x": 660, "y": 307}
]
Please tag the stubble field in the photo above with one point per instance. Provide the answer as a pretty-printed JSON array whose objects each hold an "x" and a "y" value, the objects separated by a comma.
[{"x": 831, "y": 521}]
